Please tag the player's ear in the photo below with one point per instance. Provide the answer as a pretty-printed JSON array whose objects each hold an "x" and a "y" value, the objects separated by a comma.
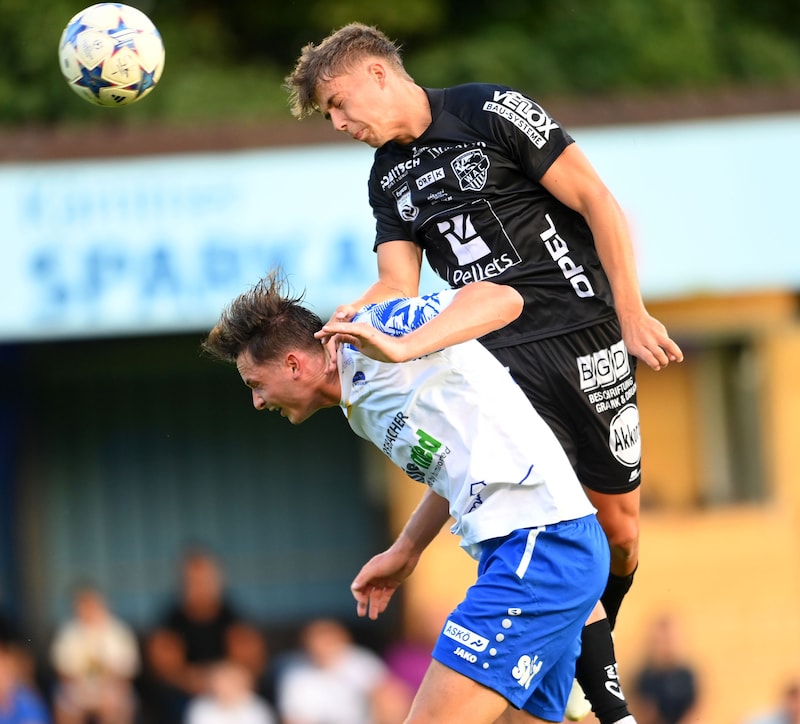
[
  {"x": 377, "y": 71},
  {"x": 292, "y": 362}
]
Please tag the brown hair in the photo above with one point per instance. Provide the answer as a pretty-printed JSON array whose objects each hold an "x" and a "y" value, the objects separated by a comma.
[
  {"x": 265, "y": 321},
  {"x": 334, "y": 56}
]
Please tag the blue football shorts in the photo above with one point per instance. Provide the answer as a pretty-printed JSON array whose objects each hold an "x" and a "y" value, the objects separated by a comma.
[{"x": 518, "y": 629}]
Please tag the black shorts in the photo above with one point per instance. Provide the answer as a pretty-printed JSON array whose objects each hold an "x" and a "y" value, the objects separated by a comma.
[{"x": 584, "y": 385}]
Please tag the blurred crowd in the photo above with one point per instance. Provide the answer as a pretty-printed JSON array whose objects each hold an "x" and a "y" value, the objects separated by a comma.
[
  {"x": 204, "y": 662},
  {"x": 201, "y": 662}
]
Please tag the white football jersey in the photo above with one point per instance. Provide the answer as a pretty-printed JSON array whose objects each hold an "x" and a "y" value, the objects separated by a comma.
[{"x": 456, "y": 421}]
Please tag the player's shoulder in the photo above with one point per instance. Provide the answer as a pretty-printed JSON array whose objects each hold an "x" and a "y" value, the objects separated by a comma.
[
  {"x": 467, "y": 97},
  {"x": 474, "y": 90},
  {"x": 400, "y": 316},
  {"x": 486, "y": 106}
]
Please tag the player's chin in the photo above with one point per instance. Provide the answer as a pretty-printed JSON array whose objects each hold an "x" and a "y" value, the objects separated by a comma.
[{"x": 296, "y": 417}]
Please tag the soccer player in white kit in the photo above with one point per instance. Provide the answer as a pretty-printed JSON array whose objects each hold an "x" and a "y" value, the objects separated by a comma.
[{"x": 444, "y": 410}]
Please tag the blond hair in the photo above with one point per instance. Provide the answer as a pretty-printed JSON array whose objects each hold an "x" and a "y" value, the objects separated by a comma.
[{"x": 335, "y": 55}]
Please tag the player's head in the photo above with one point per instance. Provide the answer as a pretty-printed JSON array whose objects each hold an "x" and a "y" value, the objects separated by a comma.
[
  {"x": 269, "y": 335},
  {"x": 338, "y": 54},
  {"x": 89, "y": 603},
  {"x": 264, "y": 322}
]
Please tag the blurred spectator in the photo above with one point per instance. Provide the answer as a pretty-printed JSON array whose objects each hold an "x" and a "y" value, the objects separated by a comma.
[
  {"x": 409, "y": 657},
  {"x": 95, "y": 657},
  {"x": 665, "y": 690},
  {"x": 335, "y": 681},
  {"x": 231, "y": 699},
  {"x": 788, "y": 711},
  {"x": 16, "y": 645},
  {"x": 19, "y": 703},
  {"x": 200, "y": 629}
]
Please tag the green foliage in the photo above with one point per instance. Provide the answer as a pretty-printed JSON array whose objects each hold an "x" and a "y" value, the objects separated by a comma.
[{"x": 226, "y": 60}]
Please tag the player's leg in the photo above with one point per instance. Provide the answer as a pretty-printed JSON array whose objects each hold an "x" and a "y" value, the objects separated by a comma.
[
  {"x": 609, "y": 466},
  {"x": 619, "y": 516},
  {"x": 604, "y": 691},
  {"x": 516, "y": 716},
  {"x": 595, "y": 416},
  {"x": 447, "y": 697},
  {"x": 517, "y": 632},
  {"x": 583, "y": 385}
]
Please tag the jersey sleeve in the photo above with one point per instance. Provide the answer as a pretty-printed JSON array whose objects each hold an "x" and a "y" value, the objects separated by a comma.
[
  {"x": 397, "y": 317},
  {"x": 388, "y": 225},
  {"x": 529, "y": 135}
]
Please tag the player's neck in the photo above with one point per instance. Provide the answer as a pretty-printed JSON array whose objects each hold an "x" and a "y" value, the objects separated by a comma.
[{"x": 414, "y": 115}]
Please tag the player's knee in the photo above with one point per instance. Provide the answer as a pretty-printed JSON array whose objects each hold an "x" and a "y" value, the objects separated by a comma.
[{"x": 623, "y": 536}]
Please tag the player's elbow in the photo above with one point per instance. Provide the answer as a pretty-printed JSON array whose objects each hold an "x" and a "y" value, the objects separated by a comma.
[{"x": 510, "y": 303}]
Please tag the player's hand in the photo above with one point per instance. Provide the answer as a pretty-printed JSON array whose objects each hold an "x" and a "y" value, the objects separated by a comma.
[
  {"x": 378, "y": 579},
  {"x": 647, "y": 339},
  {"x": 343, "y": 313},
  {"x": 368, "y": 340}
]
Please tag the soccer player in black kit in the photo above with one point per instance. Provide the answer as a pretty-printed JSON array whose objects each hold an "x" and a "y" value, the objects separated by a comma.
[{"x": 488, "y": 186}]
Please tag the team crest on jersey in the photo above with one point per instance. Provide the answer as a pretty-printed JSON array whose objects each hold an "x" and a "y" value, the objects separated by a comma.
[
  {"x": 400, "y": 316},
  {"x": 406, "y": 209},
  {"x": 471, "y": 169}
]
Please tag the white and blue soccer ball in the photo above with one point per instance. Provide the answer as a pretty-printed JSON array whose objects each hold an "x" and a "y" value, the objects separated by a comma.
[{"x": 111, "y": 54}]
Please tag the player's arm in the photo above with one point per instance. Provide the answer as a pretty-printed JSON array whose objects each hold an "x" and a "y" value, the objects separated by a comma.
[
  {"x": 476, "y": 310},
  {"x": 574, "y": 182},
  {"x": 382, "y": 575},
  {"x": 399, "y": 268}
]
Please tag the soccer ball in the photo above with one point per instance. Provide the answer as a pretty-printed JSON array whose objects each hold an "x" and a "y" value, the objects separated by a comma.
[{"x": 111, "y": 54}]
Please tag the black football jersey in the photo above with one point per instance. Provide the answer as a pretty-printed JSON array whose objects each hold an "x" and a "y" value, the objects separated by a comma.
[{"x": 468, "y": 192}]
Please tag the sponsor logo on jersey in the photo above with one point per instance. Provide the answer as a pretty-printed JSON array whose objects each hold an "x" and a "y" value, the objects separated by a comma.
[
  {"x": 475, "y": 240},
  {"x": 526, "y": 115},
  {"x": 439, "y": 195},
  {"x": 559, "y": 251},
  {"x": 471, "y": 169},
  {"x": 436, "y": 151},
  {"x": 624, "y": 437},
  {"x": 406, "y": 209},
  {"x": 422, "y": 456},
  {"x": 465, "y": 637},
  {"x": 466, "y": 243},
  {"x": 393, "y": 432},
  {"x": 397, "y": 172},
  {"x": 360, "y": 385},
  {"x": 470, "y": 251},
  {"x": 431, "y": 177},
  {"x": 527, "y": 667}
]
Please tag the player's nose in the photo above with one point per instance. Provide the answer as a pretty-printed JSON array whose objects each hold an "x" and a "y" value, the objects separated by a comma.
[
  {"x": 258, "y": 401},
  {"x": 338, "y": 120}
]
